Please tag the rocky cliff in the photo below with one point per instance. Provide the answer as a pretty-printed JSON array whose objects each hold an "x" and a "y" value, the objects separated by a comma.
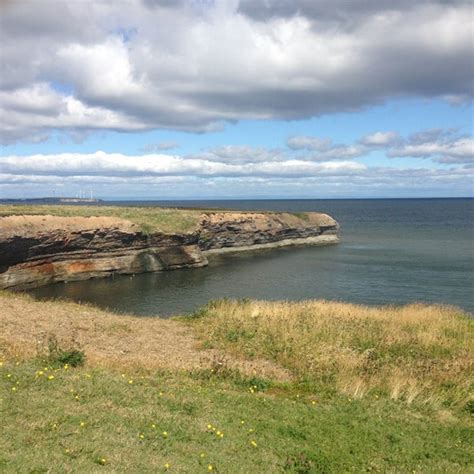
[{"x": 37, "y": 250}]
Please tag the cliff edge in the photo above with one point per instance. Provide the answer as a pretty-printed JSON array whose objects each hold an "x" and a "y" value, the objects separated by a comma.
[{"x": 39, "y": 249}]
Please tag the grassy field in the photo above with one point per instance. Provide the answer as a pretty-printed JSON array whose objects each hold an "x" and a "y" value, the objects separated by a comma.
[
  {"x": 330, "y": 416},
  {"x": 150, "y": 219},
  {"x": 412, "y": 353}
]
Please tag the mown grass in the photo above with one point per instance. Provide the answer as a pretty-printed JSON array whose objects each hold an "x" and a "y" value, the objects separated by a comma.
[
  {"x": 150, "y": 219},
  {"x": 93, "y": 420},
  {"x": 412, "y": 353}
]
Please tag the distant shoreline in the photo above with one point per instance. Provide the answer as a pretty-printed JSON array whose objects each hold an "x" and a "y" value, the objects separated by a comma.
[
  {"x": 53, "y": 200},
  {"x": 120, "y": 200}
]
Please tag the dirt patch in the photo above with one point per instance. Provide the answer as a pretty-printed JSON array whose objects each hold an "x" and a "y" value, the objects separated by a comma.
[{"x": 112, "y": 340}]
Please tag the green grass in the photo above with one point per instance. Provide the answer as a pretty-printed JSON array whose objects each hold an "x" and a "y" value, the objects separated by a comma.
[
  {"x": 93, "y": 420},
  {"x": 373, "y": 389},
  {"x": 150, "y": 219}
]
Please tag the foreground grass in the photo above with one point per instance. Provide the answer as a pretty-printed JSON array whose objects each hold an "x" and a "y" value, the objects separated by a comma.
[
  {"x": 150, "y": 219},
  {"x": 415, "y": 352},
  {"x": 91, "y": 420},
  {"x": 130, "y": 409}
]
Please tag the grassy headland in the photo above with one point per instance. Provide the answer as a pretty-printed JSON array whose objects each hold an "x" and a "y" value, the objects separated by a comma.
[
  {"x": 150, "y": 219},
  {"x": 135, "y": 407}
]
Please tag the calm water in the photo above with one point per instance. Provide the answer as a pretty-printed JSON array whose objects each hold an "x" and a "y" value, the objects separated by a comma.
[{"x": 392, "y": 251}]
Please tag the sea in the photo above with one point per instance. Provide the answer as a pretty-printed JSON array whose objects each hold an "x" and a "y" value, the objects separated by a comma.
[{"x": 392, "y": 251}]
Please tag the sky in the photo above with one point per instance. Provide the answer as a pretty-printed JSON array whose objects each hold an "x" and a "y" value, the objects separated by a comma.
[{"x": 209, "y": 99}]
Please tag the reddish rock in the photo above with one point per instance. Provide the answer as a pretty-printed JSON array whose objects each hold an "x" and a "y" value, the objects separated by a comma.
[{"x": 37, "y": 250}]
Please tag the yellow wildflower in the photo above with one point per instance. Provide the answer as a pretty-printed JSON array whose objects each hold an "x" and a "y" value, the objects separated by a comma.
[
  {"x": 210, "y": 467},
  {"x": 167, "y": 465},
  {"x": 165, "y": 434},
  {"x": 50, "y": 377},
  {"x": 253, "y": 443}
]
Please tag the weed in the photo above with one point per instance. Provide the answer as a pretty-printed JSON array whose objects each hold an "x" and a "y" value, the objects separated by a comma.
[{"x": 59, "y": 356}]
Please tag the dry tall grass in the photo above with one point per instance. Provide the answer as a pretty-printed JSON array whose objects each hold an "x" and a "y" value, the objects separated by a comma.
[
  {"x": 412, "y": 352},
  {"x": 109, "y": 340}
]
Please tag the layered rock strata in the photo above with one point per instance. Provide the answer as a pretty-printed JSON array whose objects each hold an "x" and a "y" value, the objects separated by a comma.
[{"x": 37, "y": 250}]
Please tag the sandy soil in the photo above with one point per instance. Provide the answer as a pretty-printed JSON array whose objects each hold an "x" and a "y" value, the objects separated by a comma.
[{"x": 110, "y": 339}]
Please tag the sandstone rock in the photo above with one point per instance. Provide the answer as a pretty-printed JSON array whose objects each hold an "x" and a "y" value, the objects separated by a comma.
[{"x": 37, "y": 250}]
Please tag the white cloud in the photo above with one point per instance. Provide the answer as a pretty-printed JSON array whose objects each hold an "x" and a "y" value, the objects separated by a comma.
[
  {"x": 380, "y": 139},
  {"x": 459, "y": 150},
  {"x": 116, "y": 164},
  {"x": 188, "y": 65}
]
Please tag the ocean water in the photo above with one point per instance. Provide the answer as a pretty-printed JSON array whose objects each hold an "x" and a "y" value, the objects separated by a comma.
[{"x": 392, "y": 251}]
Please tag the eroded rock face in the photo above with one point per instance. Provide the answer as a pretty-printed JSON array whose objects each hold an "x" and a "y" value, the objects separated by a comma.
[
  {"x": 37, "y": 250},
  {"x": 224, "y": 230}
]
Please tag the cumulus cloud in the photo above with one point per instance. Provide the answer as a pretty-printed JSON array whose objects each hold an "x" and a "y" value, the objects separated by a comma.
[
  {"x": 309, "y": 169},
  {"x": 240, "y": 154},
  {"x": 139, "y": 65},
  {"x": 380, "y": 139},
  {"x": 459, "y": 150},
  {"x": 442, "y": 146},
  {"x": 116, "y": 164}
]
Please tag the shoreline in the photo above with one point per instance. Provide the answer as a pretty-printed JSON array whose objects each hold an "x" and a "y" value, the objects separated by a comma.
[{"x": 79, "y": 243}]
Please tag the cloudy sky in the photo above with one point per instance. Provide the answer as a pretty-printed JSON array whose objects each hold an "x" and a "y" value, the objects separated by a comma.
[{"x": 236, "y": 98}]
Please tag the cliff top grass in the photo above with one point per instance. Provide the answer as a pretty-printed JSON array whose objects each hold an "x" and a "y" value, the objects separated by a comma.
[
  {"x": 128, "y": 410},
  {"x": 149, "y": 219}
]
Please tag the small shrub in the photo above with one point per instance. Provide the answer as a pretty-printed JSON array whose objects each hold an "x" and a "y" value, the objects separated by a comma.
[
  {"x": 59, "y": 356},
  {"x": 73, "y": 357}
]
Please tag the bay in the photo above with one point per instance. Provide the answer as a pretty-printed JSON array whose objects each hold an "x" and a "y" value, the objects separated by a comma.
[{"x": 392, "y": 251}]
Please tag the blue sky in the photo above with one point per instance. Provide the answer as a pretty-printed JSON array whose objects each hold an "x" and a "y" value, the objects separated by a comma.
[{"x": 237, "y": 99}]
